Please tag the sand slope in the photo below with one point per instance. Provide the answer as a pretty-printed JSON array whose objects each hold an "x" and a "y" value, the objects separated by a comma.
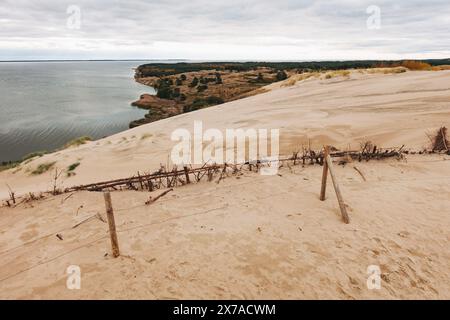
[
  {"x": 254, "y": 237},
  {"x": 390, "y": 110},
  {"x": 251, "y": 236}
]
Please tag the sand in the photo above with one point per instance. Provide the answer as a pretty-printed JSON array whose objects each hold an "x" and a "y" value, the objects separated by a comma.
[{"x": 252, "y": 236}]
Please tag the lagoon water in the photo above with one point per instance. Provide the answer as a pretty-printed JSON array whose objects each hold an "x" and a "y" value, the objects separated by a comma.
[{"x": 43, "y": 105}]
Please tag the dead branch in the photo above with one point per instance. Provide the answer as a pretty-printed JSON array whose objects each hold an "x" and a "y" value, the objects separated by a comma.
[{"x": 152, "y": 200}]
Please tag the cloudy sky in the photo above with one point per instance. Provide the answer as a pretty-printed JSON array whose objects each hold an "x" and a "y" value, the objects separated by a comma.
[{"x": 224, "y": 30}]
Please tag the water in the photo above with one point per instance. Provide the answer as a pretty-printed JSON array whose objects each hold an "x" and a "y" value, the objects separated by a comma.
[{"x": 43, "y": 105}]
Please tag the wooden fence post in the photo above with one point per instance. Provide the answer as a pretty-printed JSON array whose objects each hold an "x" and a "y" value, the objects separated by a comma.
[
  {"x": 186, "y": 173},
  {"x": 111, "y": 224},
  {"x": 338, "y": 191},
  {"x": 323, "y": 188}
]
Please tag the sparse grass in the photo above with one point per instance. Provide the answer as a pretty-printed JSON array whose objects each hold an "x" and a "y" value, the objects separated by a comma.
[
  {"x": 43, "y": 167},
  {"x": 33, "y": 155},
  {"x": 77, "y": 142},
  {"x": 393, "y": 70},
  {"x": 70, "y": 169},
  {"x": 337, "y": 73},
  {"x": 146, "y": 136},
  {"x": 8, "y": 165},
  {"x": 73, "y": 166},
  {"x": 291, "y": 81},
  {"x": 26, "y": 159}
]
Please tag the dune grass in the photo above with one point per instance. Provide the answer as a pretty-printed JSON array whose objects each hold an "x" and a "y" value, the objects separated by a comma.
[
  {"x": 70, "y": 169},
  {"x": 42, "y": 168},
  {"x": 26, "y": 159},
  {"x": 393, "y": 70},
  {"x": 9, "y": 165},
  {"x": 77, "y": 142},
  {"x": 146, "y": 136},
  {"x": 291, "y": 81},
  {"x": 73, "y": 166},
  {"x": 337, "y": 73}
]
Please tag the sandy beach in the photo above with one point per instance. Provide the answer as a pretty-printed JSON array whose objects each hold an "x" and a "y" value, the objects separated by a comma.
[{"x": 249, "y": 236}]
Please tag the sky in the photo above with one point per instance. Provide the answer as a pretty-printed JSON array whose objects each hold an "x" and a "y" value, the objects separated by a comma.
[{"x": 224, "y": 30}]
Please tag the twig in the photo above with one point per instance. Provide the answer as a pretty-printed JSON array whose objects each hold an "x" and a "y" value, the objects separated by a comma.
[
  {"x": 151, "y": 200},
  {"x": 360, "y": 173}
]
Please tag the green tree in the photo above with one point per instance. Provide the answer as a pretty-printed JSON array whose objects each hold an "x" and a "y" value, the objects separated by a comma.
[
  {"x": 281, "y": 75},
  {"x": 194, "y": 82}
]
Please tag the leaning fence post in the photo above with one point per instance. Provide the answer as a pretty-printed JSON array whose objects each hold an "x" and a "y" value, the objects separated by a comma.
[
  {"x": 323, "y": 188},
  {"x": 111, "y": 224},
  {"x": 338, "y": 191}
]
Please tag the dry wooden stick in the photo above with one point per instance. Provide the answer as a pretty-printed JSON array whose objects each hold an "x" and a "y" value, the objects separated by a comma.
[
  {"x": 11, "y": 195},
  {"x": 444, "y": 138},
  {"x": 323, "y": 188},
  {"x": 151, "y": 200},
  {"x": 112, "y": 225},
  {"x": 338, "y": 191},
  {"x": 186, "y": 174},
  {"x": 360, "y": 173}
]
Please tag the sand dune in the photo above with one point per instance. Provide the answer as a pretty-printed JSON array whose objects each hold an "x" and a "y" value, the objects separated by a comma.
[{"x": 251, "y": 236}]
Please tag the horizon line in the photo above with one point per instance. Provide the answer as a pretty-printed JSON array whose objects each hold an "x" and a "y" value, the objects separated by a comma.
[{"x": 213, "y": 60}]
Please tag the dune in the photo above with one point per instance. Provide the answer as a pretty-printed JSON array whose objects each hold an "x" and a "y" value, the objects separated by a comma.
[{"x": 249, "y": 236}]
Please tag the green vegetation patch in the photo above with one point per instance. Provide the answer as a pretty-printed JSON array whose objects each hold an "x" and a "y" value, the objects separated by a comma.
[
  {"x": 73, "y": 166},
  {"x": 77, "y": 142},
  {"x": 167, "y": 69},
  {"x": 43, "y": 167}
]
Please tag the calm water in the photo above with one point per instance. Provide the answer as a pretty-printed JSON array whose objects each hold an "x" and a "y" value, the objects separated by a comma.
[{"x": 43, "y": 105}]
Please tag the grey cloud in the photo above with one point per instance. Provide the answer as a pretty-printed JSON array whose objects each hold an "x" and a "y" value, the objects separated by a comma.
[{"x": 124, "y": 27}]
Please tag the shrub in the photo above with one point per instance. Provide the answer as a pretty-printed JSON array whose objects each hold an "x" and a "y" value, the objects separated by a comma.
[
  {"x": 260, "y": 77},
  {"x": 164, "y": 91},
  {"x": 202, "y": 88},
  {"x": 415, "y": 65},
  {"x": 281, "y": 75},
  {"x": 183, "y": 77},
  {"x": 194, "y": 82},
  {"x": 218, "y": 78},
  {"x": 213, "y": 100},
  {"x": 176, "y": 93}
]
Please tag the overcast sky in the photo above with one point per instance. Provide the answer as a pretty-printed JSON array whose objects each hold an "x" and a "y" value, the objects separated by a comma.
[{"x": 224, "y": 30}]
